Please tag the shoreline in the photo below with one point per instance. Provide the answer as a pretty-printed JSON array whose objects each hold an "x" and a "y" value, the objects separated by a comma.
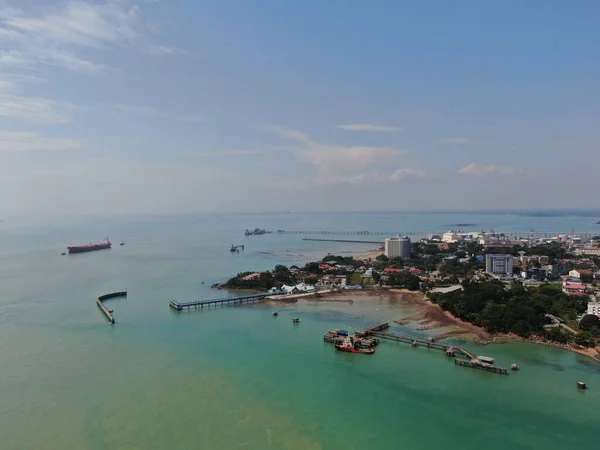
[{"x": 431, "y": 316}]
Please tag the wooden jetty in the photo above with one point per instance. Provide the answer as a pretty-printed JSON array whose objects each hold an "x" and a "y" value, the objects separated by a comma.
[
  {"x": 100, "y": 302},
  {"x": 231, "y": 301},
  {"x": 480, "y": 366},
  {"x": 451, "y": 350},
  {"x": 424, "y": 343}
]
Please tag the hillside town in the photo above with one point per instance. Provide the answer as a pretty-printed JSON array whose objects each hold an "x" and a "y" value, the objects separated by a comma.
[{"x": 524, "y": 286}]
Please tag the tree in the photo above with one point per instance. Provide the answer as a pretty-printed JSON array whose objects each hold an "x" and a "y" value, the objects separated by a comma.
[
  {"x": 590, "y": 322},
  {"x": 585, "y": 339},
  {"x": 376, "y": 277},
  {"x": 382, "y": 258}
]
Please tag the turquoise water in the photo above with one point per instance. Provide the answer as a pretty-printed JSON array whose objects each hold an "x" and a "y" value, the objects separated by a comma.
[{"x": 238, "y": 377}]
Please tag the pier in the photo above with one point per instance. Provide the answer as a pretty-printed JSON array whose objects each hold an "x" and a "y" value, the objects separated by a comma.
[
  {"x": 473, "y": 361},
  {"x": 343, "y": 240},
  {"x": 510, "y": 235},
  {"x": 231, "y": 301},
  {"x": 448, "y": 349},
  {"x": 479, "y": 366},
  {"x": 100, "y": 302}
]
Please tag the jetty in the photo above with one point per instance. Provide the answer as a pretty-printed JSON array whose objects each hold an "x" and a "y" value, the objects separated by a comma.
[
  {"x": 100, "y": 302},
  {"x": 370, "y": 337},
  {"x": 230, "y": 301},
  {"x": 351, "y": 241},
  {"x": 429, "y": 343}
]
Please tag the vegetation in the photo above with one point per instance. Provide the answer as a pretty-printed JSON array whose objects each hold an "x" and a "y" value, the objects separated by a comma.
[{"x": 523, "y": 312}]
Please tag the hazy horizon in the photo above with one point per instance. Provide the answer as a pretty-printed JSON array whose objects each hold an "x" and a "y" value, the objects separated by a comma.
[{"x": 180, "y": 106}]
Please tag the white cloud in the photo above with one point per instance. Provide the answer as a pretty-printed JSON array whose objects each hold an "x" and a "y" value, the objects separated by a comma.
[
  {"x": 79, "y": 23},
  {"x": 70, "y": 61},
  {"x": 338, "y": 163},
  {"x": 400, "y": 174},
  {"x": 163, "y": 50},
  {"x": 33, "y": 109},
  {"x": 51, "y": 35},
  {"x": 231, "y": 153},
  {"x": 455, "y": 140},
  {"x": 482, "y": 171},
  {"x": 368, "y": 127},
  {"x": 153, "y": 112},
  {"x": 9, "y": 58},
  {"x": 22, "y": 141}
]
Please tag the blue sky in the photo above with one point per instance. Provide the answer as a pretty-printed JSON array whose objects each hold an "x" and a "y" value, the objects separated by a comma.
[{"x": 168, "y": 106}]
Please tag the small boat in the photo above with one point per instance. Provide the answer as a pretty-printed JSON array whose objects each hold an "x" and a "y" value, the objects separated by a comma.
[
  {"x": 295, "y": 319},
  {"x": 122, "y": 244},
  {"x": 350, "y": 349},
  {"x": 275, "y": 313},
  {"x": 514, "y": 367},
  {"x": 63, "y": 254},
  {"x": 581, "y": 385}
]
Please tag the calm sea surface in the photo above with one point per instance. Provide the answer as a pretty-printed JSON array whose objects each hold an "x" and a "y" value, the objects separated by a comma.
[{"x": 238, "y": 377}]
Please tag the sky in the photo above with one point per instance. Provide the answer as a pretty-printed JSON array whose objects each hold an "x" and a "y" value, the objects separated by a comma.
[{"x": 184, "y": 106}]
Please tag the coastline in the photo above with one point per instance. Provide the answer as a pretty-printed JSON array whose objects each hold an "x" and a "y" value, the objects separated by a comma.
[{"x": 431, "y": 316}]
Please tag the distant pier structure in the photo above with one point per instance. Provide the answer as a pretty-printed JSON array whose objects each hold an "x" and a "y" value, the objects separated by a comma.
[{"x": 509, "y": 235}]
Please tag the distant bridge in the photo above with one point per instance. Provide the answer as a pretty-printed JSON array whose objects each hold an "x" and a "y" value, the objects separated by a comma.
[{"x": 506, "y": 234}]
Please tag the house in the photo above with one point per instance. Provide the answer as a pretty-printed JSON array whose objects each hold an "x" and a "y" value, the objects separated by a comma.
[
  {"x": 325, "y": 266},
  {"x": 300, "y": 287},
  {"x": 415, "y": 271},
  {"x": 368, "y": 273},
  {"x": 392, "y": 270},
  {"x": 575, "y": 288},
  {"x": 578, "y": 273}
]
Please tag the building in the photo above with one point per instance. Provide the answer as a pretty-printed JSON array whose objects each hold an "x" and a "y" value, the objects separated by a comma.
[
  {"x": 575, "y": 288},
  {"x": 397, "y": 247},
  {"x": 578, "y": 273},
  {"x": 594, "y": 306},
  {"x": 499, "y": 264}
]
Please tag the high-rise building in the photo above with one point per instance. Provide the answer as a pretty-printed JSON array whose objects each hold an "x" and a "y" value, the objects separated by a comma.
[
  {"x": 499, "y": 264},
  {"x": 397, "y": 247}
]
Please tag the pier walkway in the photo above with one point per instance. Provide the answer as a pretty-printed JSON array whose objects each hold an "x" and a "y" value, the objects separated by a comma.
[
  {"x": 343, "y": 240},
  {"x": 230, "y": 301},
  {"x": 108, "y": 312},
  {"x": 424, "y": 343}
]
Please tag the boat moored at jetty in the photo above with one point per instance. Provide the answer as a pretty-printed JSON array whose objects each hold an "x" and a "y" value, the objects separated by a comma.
[
  {"x": 104, "y": 244},
  {"x": 349, "y": 346}
]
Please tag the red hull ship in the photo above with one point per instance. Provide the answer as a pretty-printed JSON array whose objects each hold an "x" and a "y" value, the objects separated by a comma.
[
  {"x": 351, "y": 349},
  {"x": 90, "y": 247}
]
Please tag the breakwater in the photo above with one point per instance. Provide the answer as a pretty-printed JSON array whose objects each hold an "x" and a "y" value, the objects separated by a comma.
[{"x": 108, "y": 312}]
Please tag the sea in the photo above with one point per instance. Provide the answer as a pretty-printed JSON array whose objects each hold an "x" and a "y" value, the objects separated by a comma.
[{"x": 238, "y": 377}]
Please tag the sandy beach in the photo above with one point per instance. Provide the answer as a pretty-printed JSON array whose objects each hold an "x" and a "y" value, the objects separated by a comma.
[{"x": 371, "y": 254}]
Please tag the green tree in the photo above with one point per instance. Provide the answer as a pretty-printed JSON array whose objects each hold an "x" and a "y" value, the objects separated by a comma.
[{"x": 590, "y": 322}]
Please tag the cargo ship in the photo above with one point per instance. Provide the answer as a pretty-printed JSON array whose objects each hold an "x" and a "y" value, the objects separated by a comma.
[{"x": 90, "y": 247}]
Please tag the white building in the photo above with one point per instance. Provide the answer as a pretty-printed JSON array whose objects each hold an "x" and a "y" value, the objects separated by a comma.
[
  {"x": 594, "y": 306},
  {"x": 499, "y": 264},
  {"x": 397, "y": 247}
]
